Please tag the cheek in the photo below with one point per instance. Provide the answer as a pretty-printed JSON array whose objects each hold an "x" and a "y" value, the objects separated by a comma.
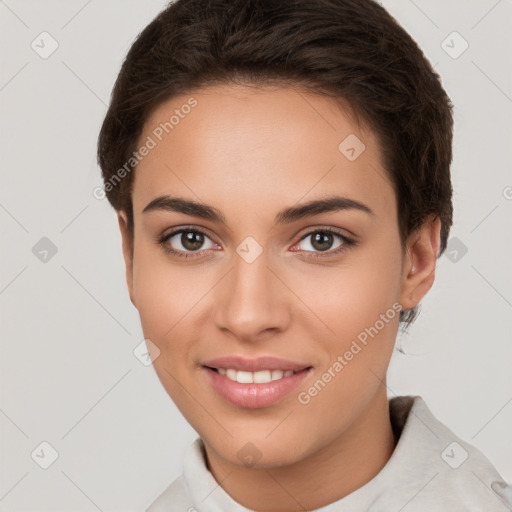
[
  {"x": 164, "y": 295},
  {"x": 351, "y": 296}
]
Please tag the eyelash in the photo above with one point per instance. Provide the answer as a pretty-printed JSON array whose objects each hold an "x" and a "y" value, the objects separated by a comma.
[{"x": 347, "y": 243}]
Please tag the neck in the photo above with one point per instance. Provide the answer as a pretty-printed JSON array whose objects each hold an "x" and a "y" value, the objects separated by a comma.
[{"x": 339, "y": 468}]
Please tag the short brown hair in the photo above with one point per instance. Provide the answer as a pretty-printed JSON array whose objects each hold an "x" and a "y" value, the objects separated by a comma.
[{"x": 353, "y": 50}]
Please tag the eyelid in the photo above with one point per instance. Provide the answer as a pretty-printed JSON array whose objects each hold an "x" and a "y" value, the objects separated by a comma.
[
  {"x": 178, "y": 229},
  {"x": 344, "y": 233}
]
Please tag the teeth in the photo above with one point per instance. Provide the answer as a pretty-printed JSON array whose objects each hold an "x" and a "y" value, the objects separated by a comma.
[
  {"x": 277, "y": 374},
  {"x": 244, "y": 377},
  {"x": 260, "y": 377}
]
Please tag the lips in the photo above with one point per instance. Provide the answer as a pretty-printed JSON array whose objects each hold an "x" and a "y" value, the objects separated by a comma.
[{"x": 245, "y": 383}]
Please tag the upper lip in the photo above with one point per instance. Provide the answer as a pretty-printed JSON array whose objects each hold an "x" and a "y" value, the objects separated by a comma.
[{"x": 254, "y": 365}]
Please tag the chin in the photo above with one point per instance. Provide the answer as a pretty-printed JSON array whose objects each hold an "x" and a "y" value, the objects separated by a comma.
[{"x": 260, "y": 452}]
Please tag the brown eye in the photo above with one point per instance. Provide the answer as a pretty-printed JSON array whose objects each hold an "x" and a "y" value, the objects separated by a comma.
[
  {"x": 321, "y": 241},
  {"x": 186, "y": 240},
  {"x": 191, "y": 240}
]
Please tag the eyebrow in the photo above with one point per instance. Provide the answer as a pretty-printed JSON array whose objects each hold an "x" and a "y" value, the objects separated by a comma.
[{"x": 287, "y": 215}]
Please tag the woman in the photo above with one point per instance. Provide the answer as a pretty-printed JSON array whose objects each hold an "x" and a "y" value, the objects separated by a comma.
[{"x": 281, "y": 173}]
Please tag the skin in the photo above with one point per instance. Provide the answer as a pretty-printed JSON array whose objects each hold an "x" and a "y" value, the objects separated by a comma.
[{"x": 249, "y": 153}]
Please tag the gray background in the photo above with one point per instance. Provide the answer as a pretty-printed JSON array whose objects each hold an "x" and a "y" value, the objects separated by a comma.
[{"x": 68, "y": 373}]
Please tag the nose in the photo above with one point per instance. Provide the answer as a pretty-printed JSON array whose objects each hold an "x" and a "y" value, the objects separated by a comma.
[{"x": 251, "y": 303}]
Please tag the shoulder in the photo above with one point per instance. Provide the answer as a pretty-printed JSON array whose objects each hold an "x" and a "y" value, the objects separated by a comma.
[
  {"x": 179, "y": 495},
  {"x": 173, "y": 498},
  {"x": 437, "y": 469}
]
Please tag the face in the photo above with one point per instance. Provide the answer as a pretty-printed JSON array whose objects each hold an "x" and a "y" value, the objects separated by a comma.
[{"x": 282, "y": 256}]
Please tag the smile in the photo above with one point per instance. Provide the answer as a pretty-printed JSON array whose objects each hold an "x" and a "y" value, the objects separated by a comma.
[
  {"x": 254, "y": 383},
  {"x": 260, "y": 377}
]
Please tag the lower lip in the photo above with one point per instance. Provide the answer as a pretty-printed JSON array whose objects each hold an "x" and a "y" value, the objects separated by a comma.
[{"x": 254, "y": 396}]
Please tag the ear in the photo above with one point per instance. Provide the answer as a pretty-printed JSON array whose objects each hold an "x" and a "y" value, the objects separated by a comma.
[
  {"x": 127, "y": 243},
  {"x": 420, "y": 262}
]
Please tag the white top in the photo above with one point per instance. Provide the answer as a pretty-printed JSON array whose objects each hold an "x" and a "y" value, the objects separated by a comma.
[{"x": 430, "y": 470}]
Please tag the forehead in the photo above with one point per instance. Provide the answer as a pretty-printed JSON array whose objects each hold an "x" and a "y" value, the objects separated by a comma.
[{"x": 245, "y": 145}]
